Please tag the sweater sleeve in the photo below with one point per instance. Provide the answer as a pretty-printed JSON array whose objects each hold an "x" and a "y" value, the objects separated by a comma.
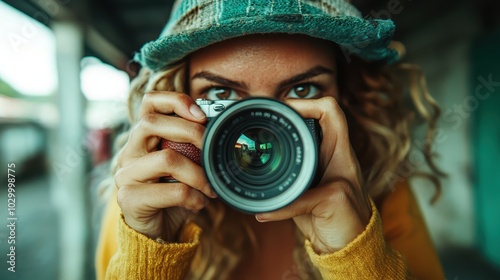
[
  {"x": 127, "y": 254},
  {"x": 366, "y": 257},
  {"x": 139, "y": 257},
  {"x": 394, "y": 245}
]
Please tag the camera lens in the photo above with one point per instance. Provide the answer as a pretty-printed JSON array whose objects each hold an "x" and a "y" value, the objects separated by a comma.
[
  {"x": 257, "y": 152},
  {"x": 259, "y": 155}
]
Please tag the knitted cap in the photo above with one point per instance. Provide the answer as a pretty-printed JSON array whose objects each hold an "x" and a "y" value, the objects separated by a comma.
[{"x": 195, "y": 24}]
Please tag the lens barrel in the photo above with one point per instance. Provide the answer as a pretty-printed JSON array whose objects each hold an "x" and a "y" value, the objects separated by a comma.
[{"x": 259, "y": 154}]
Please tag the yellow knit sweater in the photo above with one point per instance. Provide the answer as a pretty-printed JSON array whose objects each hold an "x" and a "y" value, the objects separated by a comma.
[{"x": 394, "y": 245}]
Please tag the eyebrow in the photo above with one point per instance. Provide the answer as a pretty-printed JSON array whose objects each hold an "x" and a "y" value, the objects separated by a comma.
[
  {"x": 218, "y": 79},
  {"x": 313, "y": 72}
]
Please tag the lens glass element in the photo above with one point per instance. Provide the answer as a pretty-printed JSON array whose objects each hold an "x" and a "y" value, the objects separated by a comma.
[{"x": 257, "y": 152}]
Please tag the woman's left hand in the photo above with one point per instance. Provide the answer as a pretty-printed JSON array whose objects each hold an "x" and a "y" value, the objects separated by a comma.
[{"x": 336, "y": 211}]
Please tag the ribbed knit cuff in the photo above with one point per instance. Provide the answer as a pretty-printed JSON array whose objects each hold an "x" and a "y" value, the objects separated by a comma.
[
  {"x": 368, "y": 256},
  {"x": 140, "y": 257}
]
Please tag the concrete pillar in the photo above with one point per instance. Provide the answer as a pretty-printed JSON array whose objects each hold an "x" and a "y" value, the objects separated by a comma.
[{"x": 69, "y": 157}]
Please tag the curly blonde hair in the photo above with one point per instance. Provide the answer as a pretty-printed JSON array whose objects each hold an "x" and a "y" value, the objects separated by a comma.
[
  {"x": 382, "y": 103},
  {"x": 380, "y": 119}
]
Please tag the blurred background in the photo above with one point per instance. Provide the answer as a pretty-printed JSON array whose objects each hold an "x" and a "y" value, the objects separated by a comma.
[{"x": 64, "y": 74}]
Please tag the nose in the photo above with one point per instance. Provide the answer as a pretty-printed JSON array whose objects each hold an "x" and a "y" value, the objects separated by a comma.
[{"x": 262, "y": 93}]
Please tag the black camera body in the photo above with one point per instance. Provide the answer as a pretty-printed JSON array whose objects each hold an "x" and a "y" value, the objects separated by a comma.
[{"x": 258, "y": 153}]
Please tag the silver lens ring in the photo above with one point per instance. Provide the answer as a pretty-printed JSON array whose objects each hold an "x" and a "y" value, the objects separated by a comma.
[{"x": 305, "y": 155}]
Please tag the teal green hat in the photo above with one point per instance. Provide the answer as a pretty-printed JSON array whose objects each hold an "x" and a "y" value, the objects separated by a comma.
[{"x": 195, "y": 24}]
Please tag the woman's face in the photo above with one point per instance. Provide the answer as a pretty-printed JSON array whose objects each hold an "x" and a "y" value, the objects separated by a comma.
[{"x": 276, "y": 66}]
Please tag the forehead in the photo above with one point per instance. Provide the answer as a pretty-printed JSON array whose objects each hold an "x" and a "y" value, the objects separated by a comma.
[{"x": 269, "y": 51}]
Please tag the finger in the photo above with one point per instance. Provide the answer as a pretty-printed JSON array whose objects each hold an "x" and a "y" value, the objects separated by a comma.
[
  {"x": 323, "y": 109},
  {"x": 169, "y": 103},
  {"x": 144, "y": 199},
  {"x": 318, "y": 202},
  {"x": 164, "y": 163},
  {"x": 147, "y": 133},
  {"x": 337, "y": 155},
  {"x": 168, "y": 127},
  {"x": 330, "y": 117},
  {"x": 301, "y": 206}
]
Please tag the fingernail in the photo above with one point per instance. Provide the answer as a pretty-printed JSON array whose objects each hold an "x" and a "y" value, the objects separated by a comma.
[
  {"x": 197, "y": 112},
  {"x": 210, "y": 191},
  {"x": 260, "y": 218},
  {"x": 213, "y": 195}
]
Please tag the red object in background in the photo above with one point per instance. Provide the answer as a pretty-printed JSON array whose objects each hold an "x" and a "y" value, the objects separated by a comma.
[{"x": 99, "y": 145}]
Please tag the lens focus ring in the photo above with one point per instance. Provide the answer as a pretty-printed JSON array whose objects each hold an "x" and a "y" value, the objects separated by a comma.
[{"x": 259, "y": 155}]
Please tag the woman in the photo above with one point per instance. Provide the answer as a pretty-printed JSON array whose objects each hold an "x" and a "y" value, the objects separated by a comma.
[{"x": 325, "y": 61}]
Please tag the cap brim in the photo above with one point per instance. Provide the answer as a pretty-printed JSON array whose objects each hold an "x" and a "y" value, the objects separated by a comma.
[{"x": 366, "y": 38}]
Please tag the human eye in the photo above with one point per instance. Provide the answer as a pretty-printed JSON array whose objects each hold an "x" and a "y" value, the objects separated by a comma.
[
  {"x": 304, "y": 91},
  {"x": 221, "y": 93}
]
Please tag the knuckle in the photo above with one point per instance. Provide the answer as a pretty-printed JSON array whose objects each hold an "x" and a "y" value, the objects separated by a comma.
[
  {"x": 195, "y": 199},
  {"x": 123, "y": 197},
  {"x": 144, "y": 124},
  {"x": 130, "y": 202},
  {"x": 120, "y": 158},
  {"x": 330, "y": 100},
  {"x": 183, "y": 192},
  {"x": 328, "y": 103},
  {"x": 198, "y": 130},
  {"x": 148, "y": 119},
  {"x": 119, "y": 180},
  {"x": 136, "y": 128},
  {"x": 169, "y": 157},
  {"x": 182, "y": 97},
  {"x": 340, "y": 191},
  {"x": 199, "y": 203},
  {"x": 148, "y": 95},
  {"x": 122, "y": 177},
  {"x": 147, "y": 102}
]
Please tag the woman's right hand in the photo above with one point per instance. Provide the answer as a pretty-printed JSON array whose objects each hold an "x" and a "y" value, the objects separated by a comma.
[{"x": 149, "y": 206}]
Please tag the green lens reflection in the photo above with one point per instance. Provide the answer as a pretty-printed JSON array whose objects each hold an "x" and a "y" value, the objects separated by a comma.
[{"x": 255, "y": 151}]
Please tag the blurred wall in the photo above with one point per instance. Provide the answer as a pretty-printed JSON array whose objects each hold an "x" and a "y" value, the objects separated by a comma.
[
  {"x": 441, "y": 46},
  {"x": 458, "y": 56},
  {"x": 485, "y": 134}
]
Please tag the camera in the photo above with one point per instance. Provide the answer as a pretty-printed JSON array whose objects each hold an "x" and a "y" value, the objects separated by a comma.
[{"x": 258, "y": 153}]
